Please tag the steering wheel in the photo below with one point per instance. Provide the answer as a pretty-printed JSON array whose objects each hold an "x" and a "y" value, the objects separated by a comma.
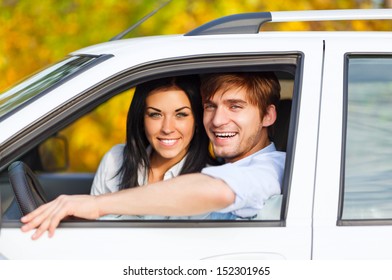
[{"x": 28, "y": 190}]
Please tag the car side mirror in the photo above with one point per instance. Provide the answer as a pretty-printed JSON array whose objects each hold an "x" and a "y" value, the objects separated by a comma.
[{"x": 54, "y": 154}]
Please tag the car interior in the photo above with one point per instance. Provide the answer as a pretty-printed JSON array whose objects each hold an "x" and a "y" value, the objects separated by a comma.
[{"x": 51, "y": 177}]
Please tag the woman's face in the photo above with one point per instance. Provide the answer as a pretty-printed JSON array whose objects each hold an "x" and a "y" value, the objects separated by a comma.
[{"x": 169, "y": 124}]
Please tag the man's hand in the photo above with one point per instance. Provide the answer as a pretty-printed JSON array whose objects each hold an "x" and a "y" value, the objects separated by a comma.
[{"x": 48, "y": 216}]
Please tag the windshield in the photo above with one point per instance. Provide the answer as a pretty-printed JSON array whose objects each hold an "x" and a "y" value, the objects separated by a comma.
[{"x": 41, "y": 82}]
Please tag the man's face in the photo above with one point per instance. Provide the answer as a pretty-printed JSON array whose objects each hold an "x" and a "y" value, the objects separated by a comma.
[{"x": 233, "y": 125}]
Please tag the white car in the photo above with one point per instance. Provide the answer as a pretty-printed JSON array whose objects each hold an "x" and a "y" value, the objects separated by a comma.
[{"x": 335, "y": 123}]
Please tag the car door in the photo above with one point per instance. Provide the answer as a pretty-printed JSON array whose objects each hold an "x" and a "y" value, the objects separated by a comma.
[
  {"x": 288, "y": 235},
  {"x": 352, "y": 210}
]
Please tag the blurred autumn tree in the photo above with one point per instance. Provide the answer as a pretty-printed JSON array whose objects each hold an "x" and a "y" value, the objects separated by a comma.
[{"x": 34, "y": 34}]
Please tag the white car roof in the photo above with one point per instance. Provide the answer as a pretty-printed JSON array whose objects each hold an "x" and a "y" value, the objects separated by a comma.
[{"x": 238, "y": 26}]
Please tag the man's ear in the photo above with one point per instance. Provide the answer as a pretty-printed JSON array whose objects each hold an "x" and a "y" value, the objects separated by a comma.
[{"x": 270, "y": 116}]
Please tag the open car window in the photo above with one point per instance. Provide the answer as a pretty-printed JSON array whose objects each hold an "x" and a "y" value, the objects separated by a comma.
[{"x": 85, "y": 140}]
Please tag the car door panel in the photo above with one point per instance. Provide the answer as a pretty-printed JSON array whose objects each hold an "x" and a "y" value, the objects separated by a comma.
[
  {"x": 333, "y": 238},
  {"x": 289, "y": 238}
]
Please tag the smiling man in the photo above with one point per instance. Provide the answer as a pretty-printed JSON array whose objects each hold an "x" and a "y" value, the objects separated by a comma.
[{"x": 239, "y": 109}]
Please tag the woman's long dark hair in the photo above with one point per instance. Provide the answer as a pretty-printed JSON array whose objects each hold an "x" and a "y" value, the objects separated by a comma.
[{"x": 135, "y": 154}]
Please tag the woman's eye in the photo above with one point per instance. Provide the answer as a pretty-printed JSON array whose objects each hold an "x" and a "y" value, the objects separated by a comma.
[
  {"x": 182, "y": 115},
  {"x": 154, "y": 115}
]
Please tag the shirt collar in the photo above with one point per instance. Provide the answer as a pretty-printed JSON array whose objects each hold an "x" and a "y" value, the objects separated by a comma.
[{"x": 175, "y": 170}]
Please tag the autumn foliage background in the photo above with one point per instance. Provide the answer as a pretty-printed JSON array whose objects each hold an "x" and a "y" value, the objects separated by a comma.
[{"x": 34, "y": 34}]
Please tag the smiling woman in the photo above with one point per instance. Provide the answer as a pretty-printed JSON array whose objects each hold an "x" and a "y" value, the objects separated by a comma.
[
  {"x": 165, "y": 138},
  {"x": 169, "y": 127}
]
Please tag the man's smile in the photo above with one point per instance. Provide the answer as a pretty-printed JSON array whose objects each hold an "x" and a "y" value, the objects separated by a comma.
[{"x": 225, "y": 135}]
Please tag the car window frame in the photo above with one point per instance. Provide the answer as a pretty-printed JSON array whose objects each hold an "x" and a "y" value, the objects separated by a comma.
[
  {"x": 340, "y": 220},
  {"x": 88, "y": 100}
]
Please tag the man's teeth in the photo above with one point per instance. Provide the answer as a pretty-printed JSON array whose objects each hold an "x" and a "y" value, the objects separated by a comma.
[{"x": 225, "y": 135}]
